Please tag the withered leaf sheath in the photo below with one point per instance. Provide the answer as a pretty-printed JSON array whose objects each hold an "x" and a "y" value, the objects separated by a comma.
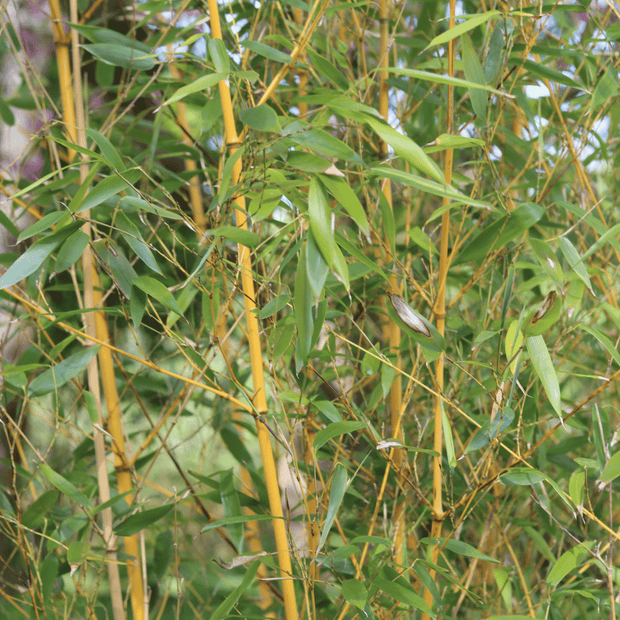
[
  {"x": 545, "y": 307},
  {"x": 408, "y": 316}
]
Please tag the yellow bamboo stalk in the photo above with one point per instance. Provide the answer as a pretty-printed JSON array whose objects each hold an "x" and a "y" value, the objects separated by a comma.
[
  {"x": 61, "y": 42},
  {"x": 109, "y": 539},
  {"x": 391, "y": 330},
  {"x": 260, "y": 400},
  {"x": 121, "y": 465},
  {"x": 440, "y": 316}
]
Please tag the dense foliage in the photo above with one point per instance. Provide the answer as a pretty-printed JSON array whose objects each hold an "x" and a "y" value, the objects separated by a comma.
[{"x": 372, "y": 240}]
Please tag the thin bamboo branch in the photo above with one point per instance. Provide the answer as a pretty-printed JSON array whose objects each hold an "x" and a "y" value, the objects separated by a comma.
[{"x": 260, "y": 400}]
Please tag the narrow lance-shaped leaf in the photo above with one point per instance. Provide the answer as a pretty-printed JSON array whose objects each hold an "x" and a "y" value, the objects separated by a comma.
[
  {"x": 303, "y": 309},
  {"x": 158, "y": 291},
  {"x": 474, "y": 73},
  {"x": 406, "y": 148},
  {"x": 64, "y": 486},
  {"x": 61, "y": 373},
  {"x": 232, "y": 508},
  {"x": 321, "y": 221},
  {"x": 32, "y": 259},
  {"x": 337, "y": 490},
  {"x": 142, "y": 520},
  {"x": 466, "y": 26},
  {"x": 543, "y": 366}
]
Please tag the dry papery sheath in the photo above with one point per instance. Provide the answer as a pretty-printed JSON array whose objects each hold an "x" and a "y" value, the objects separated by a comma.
[{"x": 408, "y": 316}]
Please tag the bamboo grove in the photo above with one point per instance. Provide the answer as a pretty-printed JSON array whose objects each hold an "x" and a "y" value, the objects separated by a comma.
[{"x": 309, "y": 310}]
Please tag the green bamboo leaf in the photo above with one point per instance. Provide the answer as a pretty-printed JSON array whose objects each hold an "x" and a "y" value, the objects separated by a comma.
[
  {"x": 341, "y": 267},
  {"x": 235, "y": 520},
  {"x": 605, "y": 341},
  {"x": 283, "y": 340},
  {"x": 359, "y": 255},
  {"x": 474, "y": 73},
  {"x": 501, "y": 232},
  {"x": 49, "y": 574},
  {"x": 545, "y": 316},
  {"x": 489, "y": 431},
  {"x": 122, "y": 271},
  {"x": 549, "y": 261},
  {"x": 574, "y": 260},
  {"x": 223, "y": 610},
  {"x": 343, "y": 193},
  {"x": 122, "y": 56},
  {"x": 540, "y": 543},
  {"x": 158, "y": 291},
  {"x": 462, "y": 548},
  {"x": 141, "y": 520},
  {"x": 261, "y": 118},
  {"x": 388, "y": 221},
  {"x": 133, "y": 237},
  {"x": 472, "y": 21},
  {"x": 274, "y": 306},
  {"x": 103, "y": 190},
  {"x": 51, "y": 219},
  {"x": 429, "y": 186},
  {"x": 107, "y": 149},
  {"x": 61, "y": 373},
  {"x": 97, "y": 34},
  {"x": 336, "y": 429},
  {"x": 219, "y": 55},
  {"x": 6, "y": 113},
  {"x": 610, "y": 236},
  {"x": 34, "y": 515},
  {"x": 34, "y": 257},
  {"x": 232, "y": 507},
  {"x": 522, "y": 476},
  {"x": 329, "y": 70},
  {"x": 513, "y": 342},
  {"x": 64, "y": 486},
  {"x": 202, "y": 83},
  {"x": 316, "y": 267},
  {"x": 612, "y": 468},
  {"x": 163, "y": 553},
  {"x": 324, "y": 143},
  {"x": 448, "y": 439},
  {"x": 427, "y": 76},
  {"x": 543, "y": 366},
  {"x": 71, "y": 250},
  {"x": 566, "y": 563},
  {"x": 606, "y": 88},
  {"x": 266, "y": 52},
  {"x": 236, "y": 446},
  {"x": 403, "y": 593},
  {"x": 544, "y": 72},
  {"x": 576, "y": 486},
  {"x": 354, "y": 592},
  {"x": 337, "y": 489},
  {"x": 303, "y": 298},
  {"x": 406, "y": 148},
  {"x": 448, "y": 141},
  {"x": 493, "y": 61},
  {"x": 601, "y": 434},
  {"x": 321, "y": 221},
  {"x": 78, "y": 551}
]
